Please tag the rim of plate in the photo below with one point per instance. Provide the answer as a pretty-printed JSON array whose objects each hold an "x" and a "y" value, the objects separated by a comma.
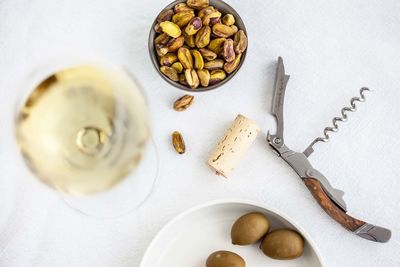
[{"x": 165, "y": 228}]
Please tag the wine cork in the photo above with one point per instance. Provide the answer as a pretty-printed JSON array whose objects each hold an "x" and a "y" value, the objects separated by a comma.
[{"x": 230, "y": 150}]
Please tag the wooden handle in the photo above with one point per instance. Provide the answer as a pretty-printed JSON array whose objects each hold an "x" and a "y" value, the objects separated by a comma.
[{"x": 330, "y": 207}]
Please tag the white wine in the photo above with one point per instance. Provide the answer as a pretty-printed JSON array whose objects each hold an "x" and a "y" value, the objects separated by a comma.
[{"x": 83, "y": 129}]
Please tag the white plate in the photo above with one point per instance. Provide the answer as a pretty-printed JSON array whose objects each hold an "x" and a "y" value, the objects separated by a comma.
[{"x": 187, "y": 240}]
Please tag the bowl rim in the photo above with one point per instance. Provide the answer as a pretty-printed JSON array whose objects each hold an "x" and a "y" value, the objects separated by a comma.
[
  {"x": 154, "y": 60},
  {"x": 226, "y": 201}
]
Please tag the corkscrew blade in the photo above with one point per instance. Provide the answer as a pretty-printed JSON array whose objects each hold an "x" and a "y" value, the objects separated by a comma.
[{"x": 335, "y": 126}]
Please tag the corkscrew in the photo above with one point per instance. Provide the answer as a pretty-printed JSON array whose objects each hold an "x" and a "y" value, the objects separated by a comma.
[
  {"x": 328, "y": 197},
  {"x": 353, "y": 107}
]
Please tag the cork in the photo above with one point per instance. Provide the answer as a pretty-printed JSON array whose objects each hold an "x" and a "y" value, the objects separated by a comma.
[{"x": 234, "y": 144}]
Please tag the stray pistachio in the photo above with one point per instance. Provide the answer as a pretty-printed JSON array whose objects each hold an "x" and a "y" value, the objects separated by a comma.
[
  {"x": 222, "y": 30},
  {"x": 183, "y": 102},
  {"x": 170, "y": 73},
  {"x": 217, "y": 45},
  {"x": 230, "y": 67},
  {"x": 161, "y": 50},
  {"x": 165, "y": 15},
  {"x": 240, "y": 42},
  {"x": 189, "y": 40},
  {"x": 202, "y": 38},
  {"x": 162, "y": 39},
  {"x": 177, "y": 66},
  {"x": 185, "y": 58},
  {"x": 198, "y": 59},
  {"x": 214, "y": 64},
  {"x": 228, "y": 20},
  {"x": 182, "y": 7},
  {"x": 217, "y": 76},
  {"x": 194, "y": 26},
  {"x": 168, "y": 59},
  {"x": 204, "y": 77},
  {"x": 192, "y": 78},
  {"x": 171, "y": 29},
  {"x": 228, "y": 52},
  {"x": 178, "y": 143},
  {"x": 198, "y": 4},
  {"x": 207, "y": 54},
  {"x": 182, "y": 19},
  {"x": 175, "y": 43}
]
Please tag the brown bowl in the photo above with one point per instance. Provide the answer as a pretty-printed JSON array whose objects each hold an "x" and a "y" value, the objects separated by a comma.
[{"x": 224, "y": 8}]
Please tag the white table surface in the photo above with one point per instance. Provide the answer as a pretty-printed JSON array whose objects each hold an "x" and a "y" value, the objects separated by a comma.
[{"x": 330, "y": 48}]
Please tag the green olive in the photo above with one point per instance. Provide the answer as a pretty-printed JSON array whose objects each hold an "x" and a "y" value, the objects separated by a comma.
[
  {"x": 283, "y": 244},
  {"x": 249, "y": 228},
  {"x": 225, "y": 258}
]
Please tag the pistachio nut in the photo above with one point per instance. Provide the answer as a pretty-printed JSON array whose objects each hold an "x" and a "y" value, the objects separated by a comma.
[
  {"x": 212, "y": 15},
  {"x": 183, "y": 102},
  {"x": 157, "y": 28},
  {"x": 178, "y": 142},
  {"x": 204, "y": 77},
  {"x": 189, "y": 40},
  {"x": 185, "y": 58},
  {"x": 214, "y": 21},
  {"x": 182, "y": 7},
  {"x": 217, "y": 76},
  {"x": 177, "y": 66},
  {"x": 170, "y": 73},
  {"x": 228, "y": 52},
  {"x": 161, "y": 50},
  {"x": 193, "y": 26},
  {"x": 168, "y": 59},
  {"x": 162, "y": 39},
  {"x": 171, "y": 29},
  {"x": 165, "y": 15},
  {"x": 221, "y": 30},
  {"x": 217, "y": 45},
  {"x": 230, "y": 67},
  {"x": 205, "y": 11},
  {"x": 182, "y": 79},
  {"x": 182, "y": 18},
  {"x": 198, "y": 59},
  {"x": 192, "y": 78},
  {"x": 207, "y": 54},
  {"x": 198, "y": 4},
  {"x": 175, "y": 43},
  {"x": 240, "y": 42},
  {"x": 214, "y": 64},
  {"x": 235, "y": 29},
  {"x": 203, "y": 37},
  {"x": 228, "y": 20}
]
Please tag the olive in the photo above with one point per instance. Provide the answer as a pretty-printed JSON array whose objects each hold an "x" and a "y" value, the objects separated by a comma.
[
  {"x": 225, "y": 258},
  {"x": 249, "y": 228},
  {"x": 283, "y": 244}
]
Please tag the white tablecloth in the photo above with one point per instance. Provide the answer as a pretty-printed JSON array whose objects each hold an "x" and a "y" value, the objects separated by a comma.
[{"x": 330, "y": 48}]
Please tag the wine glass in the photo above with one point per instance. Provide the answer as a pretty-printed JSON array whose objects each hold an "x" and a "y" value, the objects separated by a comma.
[{"x": 82, "y": 129}]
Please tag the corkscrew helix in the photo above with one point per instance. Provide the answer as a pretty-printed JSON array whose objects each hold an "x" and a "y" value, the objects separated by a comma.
[{"x": 335, "y": 120}]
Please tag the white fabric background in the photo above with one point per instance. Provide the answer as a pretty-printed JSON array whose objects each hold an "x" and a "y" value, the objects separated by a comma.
[{"x": 330, "y": 48}]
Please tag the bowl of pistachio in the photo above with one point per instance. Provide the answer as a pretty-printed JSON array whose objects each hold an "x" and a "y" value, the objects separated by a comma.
[{"x": 198, "y": 45}]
